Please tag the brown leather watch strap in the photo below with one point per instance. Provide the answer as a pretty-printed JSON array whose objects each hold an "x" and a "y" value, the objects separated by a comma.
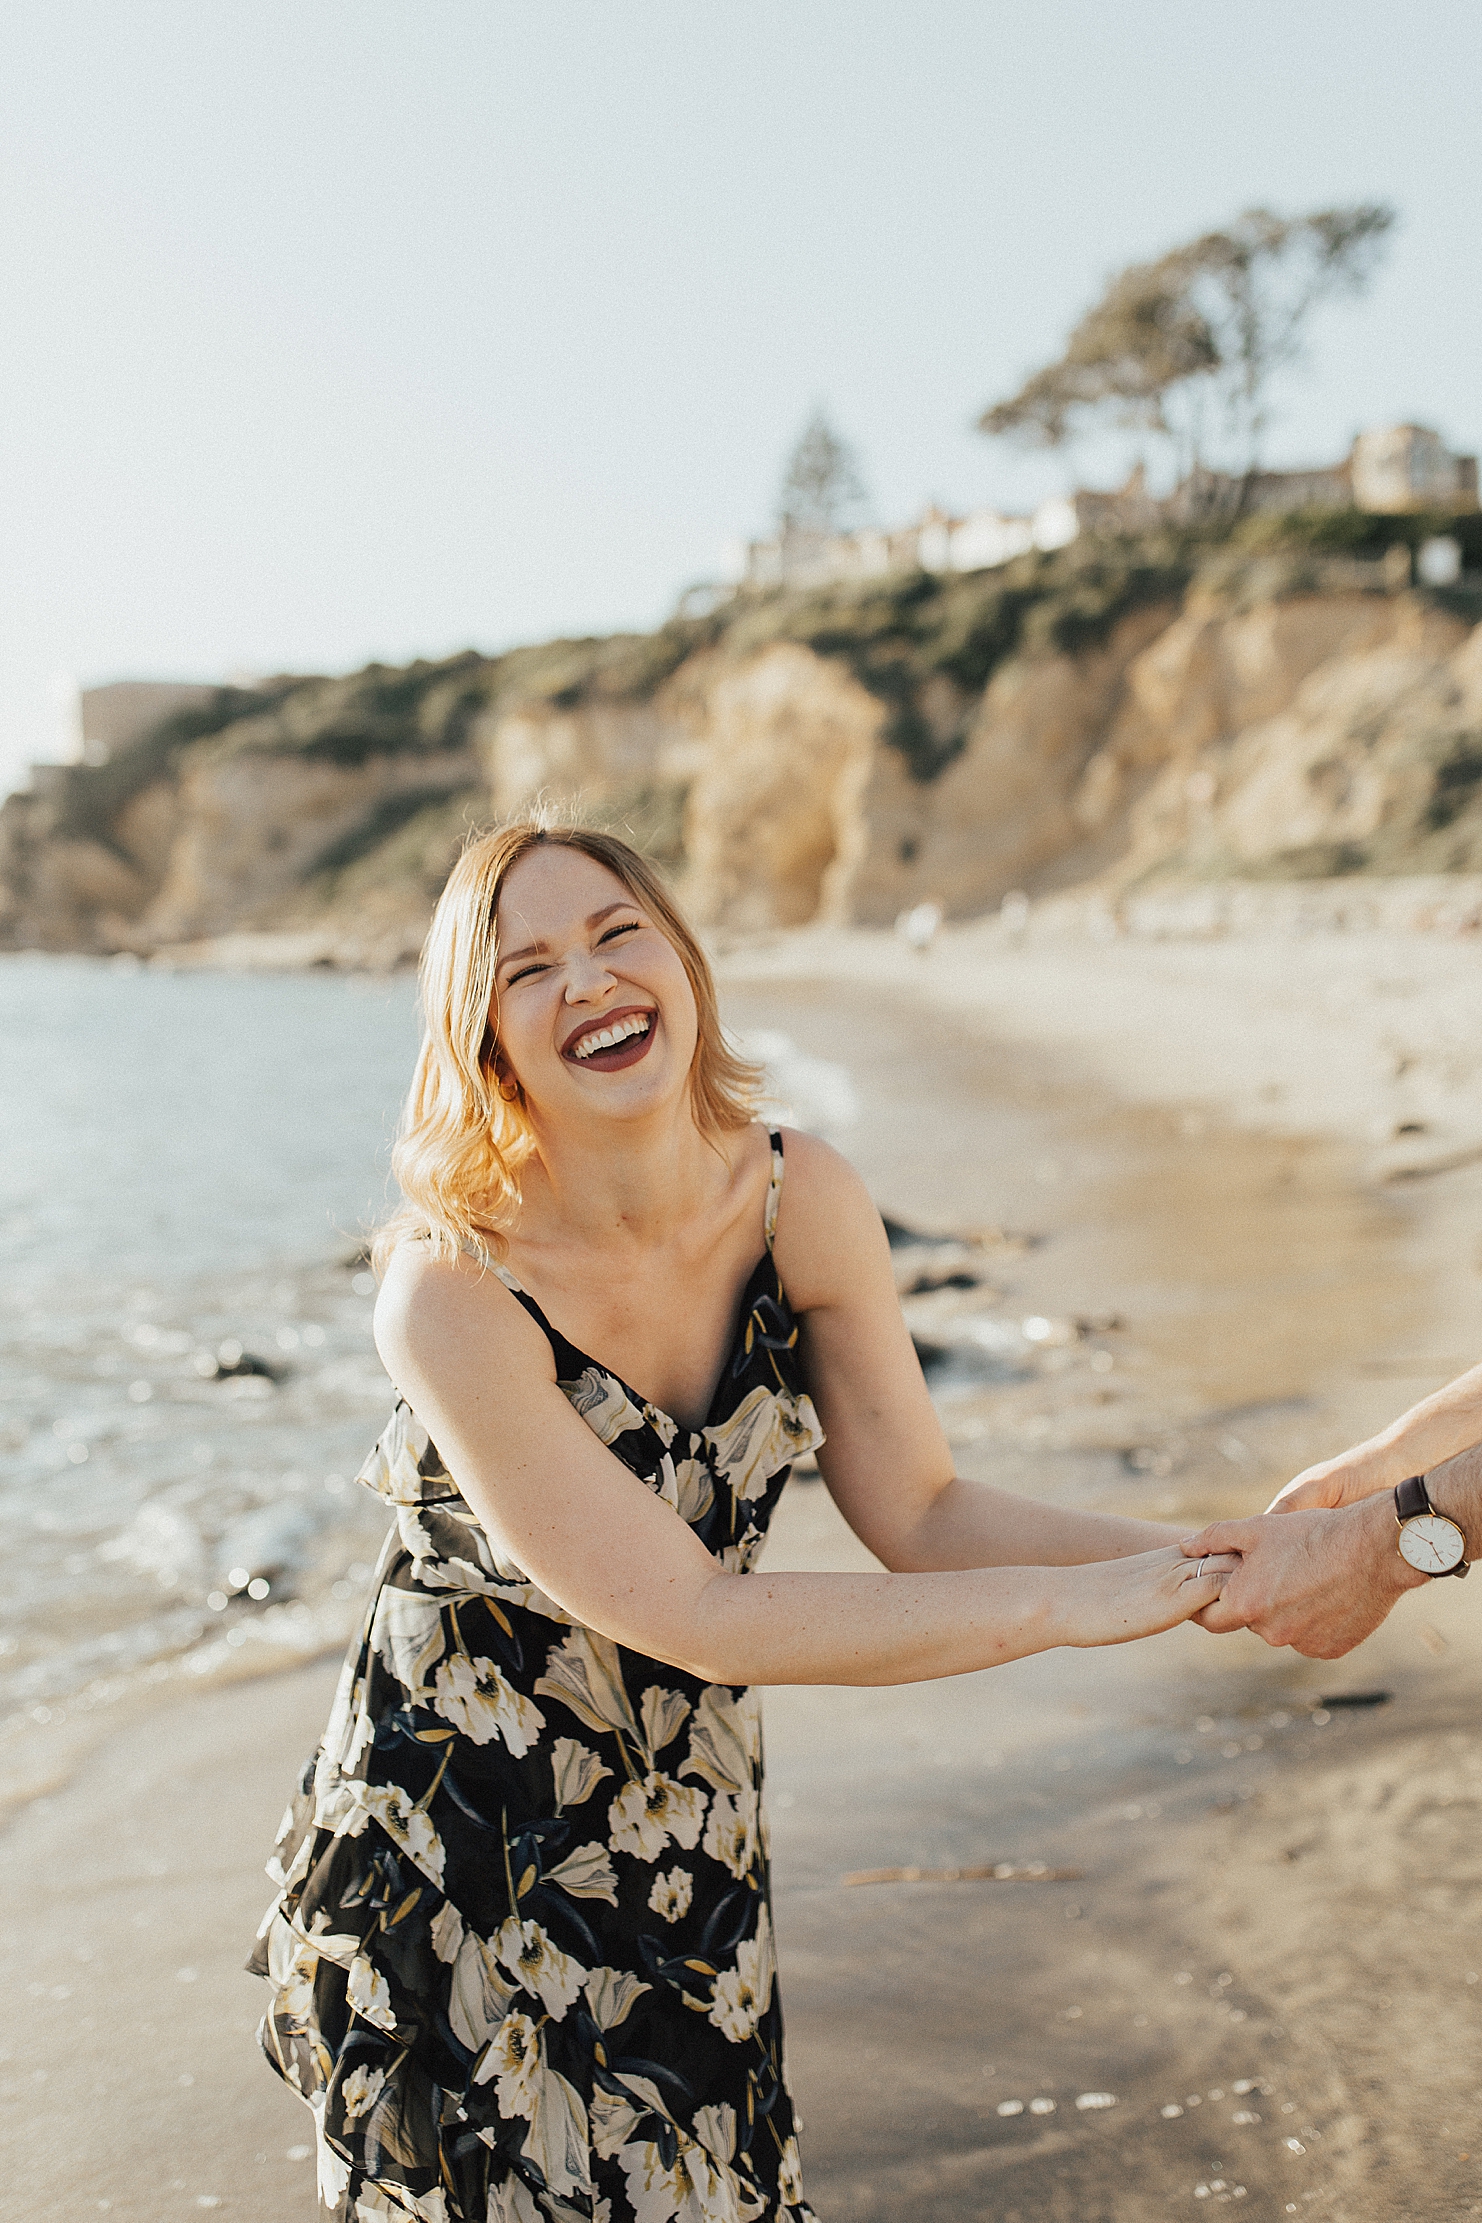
[{"x": 1412, "y": 1497}]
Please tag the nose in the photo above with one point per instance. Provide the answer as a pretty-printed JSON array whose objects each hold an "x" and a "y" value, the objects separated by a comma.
[{"x": 587, "y": 977}]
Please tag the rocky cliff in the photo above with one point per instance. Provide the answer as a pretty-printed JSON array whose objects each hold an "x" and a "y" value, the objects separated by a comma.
[{"x": 1117, "y": 715}]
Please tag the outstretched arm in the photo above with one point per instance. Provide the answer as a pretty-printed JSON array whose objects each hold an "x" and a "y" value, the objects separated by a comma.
[
  {"x": 1321, "y": 1579},
  {"x": 886, "y": 1462},
  {"x": 1426, "y": 1436},
  {"x": 607, "y": 1548}
]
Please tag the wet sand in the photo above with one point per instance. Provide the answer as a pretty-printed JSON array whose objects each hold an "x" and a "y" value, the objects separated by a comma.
[{"x": 1266, "y": 1897}]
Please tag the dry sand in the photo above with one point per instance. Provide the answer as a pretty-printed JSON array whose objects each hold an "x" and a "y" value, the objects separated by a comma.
[{"x": 1202, "y": 1138}]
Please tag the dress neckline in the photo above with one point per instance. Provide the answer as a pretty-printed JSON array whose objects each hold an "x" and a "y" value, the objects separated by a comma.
[{"x": 748, "y": 1298}]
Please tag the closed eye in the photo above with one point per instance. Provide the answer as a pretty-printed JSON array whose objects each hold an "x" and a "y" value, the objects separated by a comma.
[
  {"x": 526, "y": 972},
  {"x": 629, "y": 926}
]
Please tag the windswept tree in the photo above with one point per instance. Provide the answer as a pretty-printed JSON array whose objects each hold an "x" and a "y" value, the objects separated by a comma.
[
  {"x": 1189, "y": 345},
  {"x": 822, "y": 491}
]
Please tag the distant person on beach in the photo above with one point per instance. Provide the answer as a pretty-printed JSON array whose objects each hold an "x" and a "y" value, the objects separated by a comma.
[
  {"x": 1357, "y": 1531},
  {"x": 522, "y": 1955}
]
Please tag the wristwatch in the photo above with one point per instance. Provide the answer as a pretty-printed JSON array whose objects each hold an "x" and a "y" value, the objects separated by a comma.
[{"x": 1429, "y": 1543}]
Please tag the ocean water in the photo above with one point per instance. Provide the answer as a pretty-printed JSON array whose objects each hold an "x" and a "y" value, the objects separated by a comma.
[{"x": 189, "y": 1168}]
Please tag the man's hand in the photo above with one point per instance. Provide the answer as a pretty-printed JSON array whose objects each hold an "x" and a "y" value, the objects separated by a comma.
[{"x": 1319, "y": 1580}]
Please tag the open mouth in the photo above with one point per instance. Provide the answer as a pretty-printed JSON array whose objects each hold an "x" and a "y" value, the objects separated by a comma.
[{"x": 609, "y": 1044}]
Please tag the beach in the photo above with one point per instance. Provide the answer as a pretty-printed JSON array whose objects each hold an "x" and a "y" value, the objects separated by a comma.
[{"x": 1225, "y": 1202}]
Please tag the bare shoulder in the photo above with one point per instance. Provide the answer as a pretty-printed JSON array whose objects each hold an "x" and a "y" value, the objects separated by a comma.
[
  {"x": 436, "y": 1315},
  {"x": 830, "y": 1237}
]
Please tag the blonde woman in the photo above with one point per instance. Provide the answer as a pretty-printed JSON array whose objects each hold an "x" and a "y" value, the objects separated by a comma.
[{"x": 522, "y": 1952}]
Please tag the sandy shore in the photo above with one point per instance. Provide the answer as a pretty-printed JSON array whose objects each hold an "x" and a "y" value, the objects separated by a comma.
[{"x": 1275, "y": 1928}]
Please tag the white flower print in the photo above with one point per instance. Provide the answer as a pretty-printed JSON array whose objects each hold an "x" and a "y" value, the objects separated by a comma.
[
  {"x": 360, "y": 2091},
  {"x": 332, "y": 2168},
  {"x": 766, "y": 1432},
  {"x": 671, "y": 1895},
  {"x": 614, "y": 2120},
  {"x": 790, "y": 2174},
  {"x": 731, "y": 1831},
  {"x": 477, "y": 1698},
  {"x": 587, "y": 1874},
  {"x": 725, "y": 1739},
  {"x": 644, "y": 1816},
  {"x": 407, "y": 1631},
  {"x": 740, "y": 1557},
  {"x": 513, "y": 2058},
  {"x": 663, "y": 1713},
  {"x": 512, "y": 2201},
  {"x": 407, "y": 1825},
  {"x": 576, "y": 1771},
  {"x": 663, "y": 1427},
  {"x": 696, "y": 2187},
  {"x": 479, "y": 1992},
  {"x": 743, "y": 1994},
  {"x": 585, "y": 1673},
  {"x": 447, "y": 1931},
  {"x": 603, "y": 1403},
  {"x": 686, "y": 1485},
  {"x": 538, "y": 1966},
  {"x": 292, "y": 1966},
  {"x": 392, "y": 1468},
  {"x": 558, "y": 2139},
  {"x": 370, "y": 1994},
  {"x": 612, "y": 1994},
  {"x": 375, "y": 2205}
]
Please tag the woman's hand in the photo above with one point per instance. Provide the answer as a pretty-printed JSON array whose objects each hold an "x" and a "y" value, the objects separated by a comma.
[{"x": 1115, "y": 1600}]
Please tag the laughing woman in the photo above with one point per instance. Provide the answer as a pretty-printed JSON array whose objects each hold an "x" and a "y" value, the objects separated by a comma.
[{"x": 522, "y": 1952}]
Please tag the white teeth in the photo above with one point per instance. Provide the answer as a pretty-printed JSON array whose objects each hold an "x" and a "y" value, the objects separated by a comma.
[{"x": 608, "y": 1037}]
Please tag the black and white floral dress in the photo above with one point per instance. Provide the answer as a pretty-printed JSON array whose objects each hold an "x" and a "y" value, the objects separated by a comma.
[{"x": 522, "y": 1949}]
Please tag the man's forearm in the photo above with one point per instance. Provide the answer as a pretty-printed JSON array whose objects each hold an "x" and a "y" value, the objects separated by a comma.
[
  {"x": 1455, "y": 1489},
  {"x": 1426, "y": 1436}
]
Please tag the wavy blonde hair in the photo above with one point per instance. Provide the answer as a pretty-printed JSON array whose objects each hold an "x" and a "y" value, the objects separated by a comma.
[{"x": 462, "y": 1140}]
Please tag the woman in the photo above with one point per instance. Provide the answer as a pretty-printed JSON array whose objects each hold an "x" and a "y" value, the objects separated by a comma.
[{"x": 523, "y": 1951}]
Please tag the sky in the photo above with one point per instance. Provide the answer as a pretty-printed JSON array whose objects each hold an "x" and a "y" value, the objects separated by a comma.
[{"x": 372, "y": 330}]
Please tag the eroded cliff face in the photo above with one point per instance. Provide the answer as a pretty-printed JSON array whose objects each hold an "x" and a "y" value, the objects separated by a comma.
[{"x": 1194, "y": 736}]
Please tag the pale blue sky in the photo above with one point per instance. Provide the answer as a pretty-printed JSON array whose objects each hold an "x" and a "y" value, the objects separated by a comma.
[{"x": 371, "y": 328}]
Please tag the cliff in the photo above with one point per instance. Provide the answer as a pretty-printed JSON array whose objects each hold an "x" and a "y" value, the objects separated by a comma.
[{"x": 1281, "y": 703}]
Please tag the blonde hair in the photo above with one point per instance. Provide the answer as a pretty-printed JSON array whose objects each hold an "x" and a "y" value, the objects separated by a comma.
[{"x": 462, "y": 1138}]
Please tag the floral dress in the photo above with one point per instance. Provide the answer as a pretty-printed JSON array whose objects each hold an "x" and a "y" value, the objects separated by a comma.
[{"x": 521, "y": 1953}]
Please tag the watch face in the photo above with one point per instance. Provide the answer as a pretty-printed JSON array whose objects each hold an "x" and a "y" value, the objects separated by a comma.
[{"x": 1432, "y": 1544}]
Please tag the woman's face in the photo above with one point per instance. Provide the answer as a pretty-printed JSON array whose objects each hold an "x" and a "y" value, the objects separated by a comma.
[{"x": 592, "y": 1005}]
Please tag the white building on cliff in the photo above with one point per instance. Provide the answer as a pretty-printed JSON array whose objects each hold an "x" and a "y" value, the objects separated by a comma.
[{"x": 1392, "y": 470}]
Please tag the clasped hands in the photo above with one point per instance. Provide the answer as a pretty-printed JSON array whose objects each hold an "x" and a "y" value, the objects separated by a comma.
[{"x": 1319, "y": 1569}]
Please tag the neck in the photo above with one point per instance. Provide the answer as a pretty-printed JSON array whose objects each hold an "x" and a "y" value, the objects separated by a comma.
[{"x": 630, "y": 1184}]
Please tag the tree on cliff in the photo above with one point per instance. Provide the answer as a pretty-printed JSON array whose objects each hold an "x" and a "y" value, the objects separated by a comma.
[
  {"x": 822, "y": 491},
  {"x": 1188, "y": 345}
]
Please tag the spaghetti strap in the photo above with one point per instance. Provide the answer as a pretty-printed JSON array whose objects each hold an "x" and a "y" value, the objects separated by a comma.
[{"x": 774, "y": 1191}]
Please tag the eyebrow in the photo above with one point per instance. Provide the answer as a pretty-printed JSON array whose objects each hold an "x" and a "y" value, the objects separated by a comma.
[{"x": 512, "y": 957}]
